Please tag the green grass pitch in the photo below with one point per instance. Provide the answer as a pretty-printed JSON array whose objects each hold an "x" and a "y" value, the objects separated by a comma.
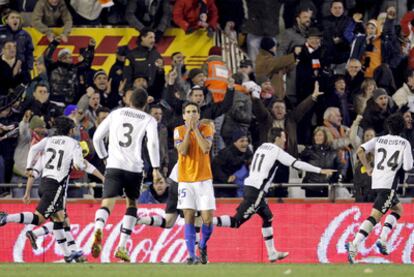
[{"x": 210, "y": 270}]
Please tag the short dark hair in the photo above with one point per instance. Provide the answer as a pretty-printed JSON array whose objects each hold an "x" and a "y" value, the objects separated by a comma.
[
  {"x": 7, "y": 41},
  {"x": 155, "y": 106},
  {"x": 337, "y": 1},
  {"x": 102, "y": 110},
  {"x": 40, "y": 85},
  {"x": 175, "y": 53},
  {"x": 274, "y": 133},
  {"x": 143, "y": 33},
  {"x": 63, "y": 125},
  {"x": 189, "y": 103},
  {"x": 395, "y": 124},
  {"x": 139, "y": 98},
  {"x": 409, "y": 74}
]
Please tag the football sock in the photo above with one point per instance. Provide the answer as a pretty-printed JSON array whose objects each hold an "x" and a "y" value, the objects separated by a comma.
[
  {"x": 25, "y": 218},
  {"x": 190, "y": 237},
  {"x": 101, "y": 216},
  {"x": 206, "y": 231},
  {"x": 156, "y": 221},
  {"x": 71, "y": 243},
  {"x": 43, "y": 230},
  {"x": 389, "y": 223},
  {"x": 267, "y": 233},
  {"x": 60, "y": 238},
  {"x": 364, "y": 230},
  {"x": 128, "y": 223},
  {"x": 222, "y": 221}
]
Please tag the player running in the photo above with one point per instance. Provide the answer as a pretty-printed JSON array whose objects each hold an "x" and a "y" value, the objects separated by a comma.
[
  {"x": 391, "y": 152},
  {"x": 47, "y": 228},
  {"x": 126, "y": 129},
  {"x": 265, "y": 162},
  {"x": 60, "y": 153}
]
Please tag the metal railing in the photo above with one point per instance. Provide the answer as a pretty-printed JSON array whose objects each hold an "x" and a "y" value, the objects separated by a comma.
[
  {"x": 232, "y": 54},
  {"x": 332, "y": 188}
]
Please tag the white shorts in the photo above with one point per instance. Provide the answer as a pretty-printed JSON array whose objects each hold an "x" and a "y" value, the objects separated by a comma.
[{"x": 198, "y": 196}]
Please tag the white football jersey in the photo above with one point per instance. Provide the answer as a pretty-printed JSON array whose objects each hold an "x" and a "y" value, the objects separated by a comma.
[
  {"x": 265, "y": 161},
  {"x": 390, "y": 153},
  {"x": 58, "y": 154},
  {"x": 127, "y": 128}
]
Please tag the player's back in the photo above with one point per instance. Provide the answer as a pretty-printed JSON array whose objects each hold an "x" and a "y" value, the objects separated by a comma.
[
  {"x": 391, "y": 152},
  {"x": 263, "y": 166},
  {"x": 58, "y": 156},
  {"x": 127, "y": 129}
]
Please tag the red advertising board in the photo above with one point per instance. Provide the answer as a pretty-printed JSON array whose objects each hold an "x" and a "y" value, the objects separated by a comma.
[{"x": 312, "y": 233}]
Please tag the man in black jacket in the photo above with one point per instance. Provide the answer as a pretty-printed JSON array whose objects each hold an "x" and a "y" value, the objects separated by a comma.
[
  {"x": 230, "y": 164},
  {"x": 145, "y": 60}
]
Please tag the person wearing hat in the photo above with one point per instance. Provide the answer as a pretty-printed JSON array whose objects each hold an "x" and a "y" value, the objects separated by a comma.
[
  {"x": 373, "y": 49},
  {"x": 231, "y": 162},
  {"x": 274, "y": 67},
  {"x": 63, "y": 75},
  {"x": 32, "y": 129},
  {"x": 116, "y": 73},
  {"x": 217, "y": 74},
  {"x": 246, "y": 68},
  {"x": 12, "y": 30},
  {"x": 378, "y": 108}
]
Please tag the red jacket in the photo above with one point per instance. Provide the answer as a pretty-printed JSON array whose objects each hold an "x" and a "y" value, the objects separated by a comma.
[{"x": 186, "y": 13}]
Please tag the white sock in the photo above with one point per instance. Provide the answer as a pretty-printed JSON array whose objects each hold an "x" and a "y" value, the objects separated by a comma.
[
  {"x": 101, "y": 216},
  {"x": 389, "y": 223},
  {"x": 364, "y": 230},
  {"x": 60, "y": 238},
  {"x": 267, "y": 233},
  {"x": 128, "y": 222},
  {"x": 25, "y": 218},
  {"x": 156, "y": 221},
  {"x": 223, "y": 221},
  {"x": 70, "y": 240},
  {"x": 44, "y": 230}
]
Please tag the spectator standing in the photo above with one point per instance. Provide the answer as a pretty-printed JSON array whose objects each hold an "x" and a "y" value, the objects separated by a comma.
[{"x": 48, "y": 13}]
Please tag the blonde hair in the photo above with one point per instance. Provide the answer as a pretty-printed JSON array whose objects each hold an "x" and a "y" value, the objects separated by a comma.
[
  {"x": 328, "y": 136},
  {"x": 366, "y": 83}
]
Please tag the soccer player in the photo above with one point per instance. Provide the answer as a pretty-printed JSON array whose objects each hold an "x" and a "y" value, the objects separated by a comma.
[
  {"x": 127, "y": 128},
  {"x": 171, "y": 212},
  {"x": 59, "y": 153},
  {"x": 264, "y": 165},
  {"x": 195, "y": 189},
  {"x": 390, "y": 153},
  {"x": 47, "y": 228}
]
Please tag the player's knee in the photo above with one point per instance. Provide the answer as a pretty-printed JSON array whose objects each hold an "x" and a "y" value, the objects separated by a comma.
[
  {"x": 131, "y": 211},
  {"x": 267, "y": 222}
]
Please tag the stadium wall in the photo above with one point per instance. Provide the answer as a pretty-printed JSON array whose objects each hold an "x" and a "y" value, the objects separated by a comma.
[{"x": 312, "y": 233}]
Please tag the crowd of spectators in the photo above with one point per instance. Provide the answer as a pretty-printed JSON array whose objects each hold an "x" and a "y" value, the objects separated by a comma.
[{"x": 328, "y": 72}]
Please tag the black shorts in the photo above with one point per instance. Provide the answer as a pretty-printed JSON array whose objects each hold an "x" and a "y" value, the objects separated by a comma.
[
  {"x": 117, "y": 182},
  {"x": 172, "y": 200},
  {"x": 52, "y": 196},
  {"x": 385, "y": 199},
  {"x": 249, "y": 206}
]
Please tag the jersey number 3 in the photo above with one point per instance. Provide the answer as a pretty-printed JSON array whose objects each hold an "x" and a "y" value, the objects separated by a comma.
[
  {"x": 392, "y": 162},
  {"x": 127, "y": 134}
]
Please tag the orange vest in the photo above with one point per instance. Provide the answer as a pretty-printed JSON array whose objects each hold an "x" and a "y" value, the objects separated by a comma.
[{"x": 216, "y": 82}]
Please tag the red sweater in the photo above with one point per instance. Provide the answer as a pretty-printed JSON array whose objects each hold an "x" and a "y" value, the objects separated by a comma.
[{"x": 186, "y": 13}]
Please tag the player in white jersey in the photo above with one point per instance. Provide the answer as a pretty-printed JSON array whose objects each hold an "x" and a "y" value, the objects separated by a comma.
[
  {"x": 265, "y": 162},
  {"x": 60, "y": 153},
  {"x": 390, "y": 153},
  {"x": 126, "y": 128},
  {"x": 47, "y": 228}
]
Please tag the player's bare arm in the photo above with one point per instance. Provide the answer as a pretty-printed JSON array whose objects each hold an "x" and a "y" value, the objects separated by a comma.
[{"x": 363, "y": 158}]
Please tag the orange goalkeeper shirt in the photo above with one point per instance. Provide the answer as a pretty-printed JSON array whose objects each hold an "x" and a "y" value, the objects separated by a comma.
[{"x": 195, "y": 166}]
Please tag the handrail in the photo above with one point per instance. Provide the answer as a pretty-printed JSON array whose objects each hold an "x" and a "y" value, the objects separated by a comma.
[{"x": 232, "y": 54}]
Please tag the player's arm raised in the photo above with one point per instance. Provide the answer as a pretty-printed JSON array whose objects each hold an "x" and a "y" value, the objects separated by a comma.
[
  {"x": 203, "y": 141},
  {"x": 98, "y": 138},
  {"x": 182, "y": 144}
]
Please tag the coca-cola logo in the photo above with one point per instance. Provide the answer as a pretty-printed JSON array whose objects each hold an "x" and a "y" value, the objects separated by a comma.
[
  {"x": 167, "y": 247},
  {"x": 342, "y": 228}
]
